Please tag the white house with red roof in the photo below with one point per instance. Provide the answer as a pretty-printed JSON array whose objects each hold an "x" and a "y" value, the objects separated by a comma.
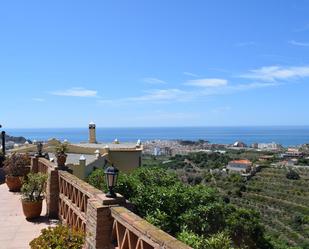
[{"x": 240, "y": 166}]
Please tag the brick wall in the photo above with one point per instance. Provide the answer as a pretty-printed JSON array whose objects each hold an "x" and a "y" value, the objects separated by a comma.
[{"x": 106, "y": 223}]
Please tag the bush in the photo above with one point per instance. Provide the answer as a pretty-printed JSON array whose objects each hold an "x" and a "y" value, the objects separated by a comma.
[
  {"x": 245, "y": 229},
  {"x": 15, "y": 165},
  {"x": 61, "y": 148},
  {"x": 33, "y": 188},
  {"x": 219, "y": 241},
  {"x": 97, "y": 179},
  {"x": 57, "y": 238},
  {"x": 192, "y": 239},
  {"x": 204, "y": 219},
  {"x": 191, "y": 212},
  {"x": 292, "y": 175}
]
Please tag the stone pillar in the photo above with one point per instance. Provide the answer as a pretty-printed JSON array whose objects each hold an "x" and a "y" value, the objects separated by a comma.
[
  {"x": 92, "y": 135},
  {"x": 80, "y": 169},
  {"x": 99, "y": 223},
  {"x": 34, "y": 164},
  {"x": 52, "y": 193}
]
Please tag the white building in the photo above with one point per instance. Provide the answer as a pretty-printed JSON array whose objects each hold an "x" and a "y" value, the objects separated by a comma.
[
  {"x": 268, "y": 146},
  {"x": 240, "y": 166}
]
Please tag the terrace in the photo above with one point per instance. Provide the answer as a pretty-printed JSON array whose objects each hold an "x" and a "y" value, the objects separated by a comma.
[{"x": 107, "y": 222}]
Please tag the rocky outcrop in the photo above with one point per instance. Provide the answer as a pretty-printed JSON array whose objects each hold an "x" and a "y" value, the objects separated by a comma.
[{"x": 17, "y": 140}]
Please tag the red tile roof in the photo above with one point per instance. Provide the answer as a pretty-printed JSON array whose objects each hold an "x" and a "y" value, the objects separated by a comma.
[{"x": 242, "y": 161}]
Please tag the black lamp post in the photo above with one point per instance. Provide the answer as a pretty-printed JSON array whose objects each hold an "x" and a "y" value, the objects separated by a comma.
[
  {"x": 2, "y": 157},
  {"x": 3, "y": 140},
  {"x": 111, "y": 174}
]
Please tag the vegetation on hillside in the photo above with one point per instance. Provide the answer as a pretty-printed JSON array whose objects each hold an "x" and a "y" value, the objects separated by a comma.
[
  {"x": 195, "y": 214},
  {"x": 190, "y": 197},
  {"x": 280, "y": 195}
]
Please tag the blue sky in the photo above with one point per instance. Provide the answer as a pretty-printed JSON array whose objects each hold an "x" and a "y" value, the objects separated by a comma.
[{"x": 154, "y": 63}]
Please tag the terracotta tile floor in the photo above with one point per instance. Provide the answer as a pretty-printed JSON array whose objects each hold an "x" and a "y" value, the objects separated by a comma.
[{"x": 15, "y": 231}]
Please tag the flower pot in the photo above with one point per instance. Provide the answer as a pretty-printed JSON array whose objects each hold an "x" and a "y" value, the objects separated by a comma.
[
  {"x": 32, "y": 209},
  {"x": 61, "y": 159},
  {"x": 14, "y": 183}
]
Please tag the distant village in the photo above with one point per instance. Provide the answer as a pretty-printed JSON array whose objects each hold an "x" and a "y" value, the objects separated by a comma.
[
  {"x": 271, "y": 153},
  {"x": 288, "y": 157}
]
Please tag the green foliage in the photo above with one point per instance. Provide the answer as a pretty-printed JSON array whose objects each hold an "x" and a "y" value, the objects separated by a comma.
[
  {"x": 61, "y": 148},
  {"x": 162, "y": 199},
  {"x": 58, "y": 237},
  {"x": 192, "y": 239},
  {"x": 219, "y": 241},
  {"x": 15, "y": 165},
  {"x": 160, "y": 219},
  {"x": 202, "y": 159},
  {"x": 303, "y": 161},
  {"x": 97, "y": 179},
  {"x": 292, "y": 175},
  {"x": 210, "y": 218},
  {"x": 235, "y": 178},
  {"x": 33, "y": 187},
  {"x": 245, "y": 229}
]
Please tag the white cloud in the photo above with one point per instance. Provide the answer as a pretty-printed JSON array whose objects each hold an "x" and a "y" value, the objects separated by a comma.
[
  {"x": 38, "y": 99},
  {"x": 274, "y": 73},
  {"x": 296, "y": 43},
  {"x": 150, "y": 80},
  {"x": 253, "y": 85},
  {"x": 160, "y": 95},
  {"x": 76, "y": 92},
  {"x": 153, "y": 96},
  {"x": 190, "y": 74},
  {"x": 208, "y": 82},
  {"x": 230, "y": 89}
]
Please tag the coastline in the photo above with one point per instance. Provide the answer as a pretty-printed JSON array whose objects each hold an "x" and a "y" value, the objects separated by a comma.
[{"x": 284, "y": 135}]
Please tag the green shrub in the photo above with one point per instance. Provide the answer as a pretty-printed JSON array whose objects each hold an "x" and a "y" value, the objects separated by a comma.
[
  {"x": 219, "y": 241},
  {"x": 292, "y": 175},
  {"x": 58, "y": 237},
  {"x": 97, "y": 179},
  {"x": 162, "y": 199},
  {"x": 34, "y": 186},
  {"x": 204, "y": 219},
  {"x": 192, "y": 239}
]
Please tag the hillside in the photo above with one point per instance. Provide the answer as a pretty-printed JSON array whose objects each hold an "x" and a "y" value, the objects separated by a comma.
[{"x": 283, "y": 204}]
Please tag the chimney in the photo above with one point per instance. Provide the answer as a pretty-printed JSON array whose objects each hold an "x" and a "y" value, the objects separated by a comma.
[{"x": 92, "y": 135}]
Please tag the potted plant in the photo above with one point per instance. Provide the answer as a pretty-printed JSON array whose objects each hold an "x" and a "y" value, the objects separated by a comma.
[
  {"x": 60, "y": 152},
  {"x": 33, "y": 194},
  {"x": 15, "y": 168}
]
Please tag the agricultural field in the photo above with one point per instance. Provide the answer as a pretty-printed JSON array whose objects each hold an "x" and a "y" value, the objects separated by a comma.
[{"x": 283, "y": 203}]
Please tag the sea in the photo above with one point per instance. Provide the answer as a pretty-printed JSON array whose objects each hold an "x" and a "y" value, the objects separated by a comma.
[{"x": 285, "y": 135}]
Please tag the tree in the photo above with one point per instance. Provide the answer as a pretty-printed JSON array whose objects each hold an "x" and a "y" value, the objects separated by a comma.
[{"x": 292, "y": 175}]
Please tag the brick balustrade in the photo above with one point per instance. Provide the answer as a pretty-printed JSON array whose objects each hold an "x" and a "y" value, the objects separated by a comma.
[
  {"x": 131, "y": 231},
  {"x": 106, "y": 223}
]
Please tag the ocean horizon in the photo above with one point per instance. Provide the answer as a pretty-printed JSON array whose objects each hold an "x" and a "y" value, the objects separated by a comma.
[{"x": 285, "y": 135}]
